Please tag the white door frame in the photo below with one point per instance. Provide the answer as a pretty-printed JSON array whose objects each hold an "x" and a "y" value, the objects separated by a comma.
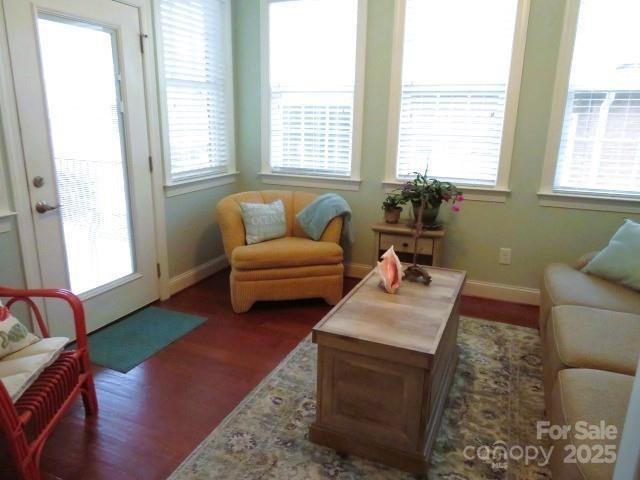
[{"x": 16, "y": 162}]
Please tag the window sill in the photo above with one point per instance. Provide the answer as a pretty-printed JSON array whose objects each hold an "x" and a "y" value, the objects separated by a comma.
[
  {"x": 199, "y": 183},
  {"x": 329, "y": 183},
  {"x": 589, "y": 202},
  {"x": 471, "y": 193}
]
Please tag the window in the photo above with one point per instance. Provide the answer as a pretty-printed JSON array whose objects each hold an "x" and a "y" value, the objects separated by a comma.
[
  {"x": 312, "y": 79},
  {"x": 195, "y": 70},
  {"x": 455, "y": 99},
  {"x": 594, "y": 141}
]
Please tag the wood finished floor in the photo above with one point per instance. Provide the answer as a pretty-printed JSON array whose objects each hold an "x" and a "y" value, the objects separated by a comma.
[{"x": 152, "y": 417}]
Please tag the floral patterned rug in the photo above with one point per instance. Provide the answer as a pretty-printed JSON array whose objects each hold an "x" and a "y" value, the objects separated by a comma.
[{"x": 496, "y": 396}]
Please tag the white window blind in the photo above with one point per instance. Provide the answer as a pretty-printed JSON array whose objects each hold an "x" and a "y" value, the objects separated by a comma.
[
  {"x": 455, "y": 74},
  {"x": 195, "y": 65},
  {"x": 600, "y": 145},
  {"x": 312, "y": 65}
]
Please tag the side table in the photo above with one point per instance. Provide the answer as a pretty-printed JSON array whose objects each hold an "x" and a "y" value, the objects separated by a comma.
[{"x": 400, "y": 235}]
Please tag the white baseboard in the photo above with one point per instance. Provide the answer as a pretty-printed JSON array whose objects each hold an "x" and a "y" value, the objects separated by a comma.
[
  {"x": 473, "y": 288},
  {"x": 501, "y": 291},
  {"x": 197, "y": 274},
  {"x": 356, "y": 270}
]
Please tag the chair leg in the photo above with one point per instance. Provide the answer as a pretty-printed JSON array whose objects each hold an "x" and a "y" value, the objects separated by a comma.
[
  {"x": 26, "y": 469},
  {"x": 89, "y": 398},
  {"x": 241, "y": 298},
  {"x": 335, "y": 293},
  {"x": 241, "y": 306},
  {"x": 32, "y": 471},
  {"x": 332, "y": 299}
]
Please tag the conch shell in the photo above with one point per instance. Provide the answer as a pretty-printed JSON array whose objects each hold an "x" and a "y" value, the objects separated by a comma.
[{"x": 390, "y": 271}]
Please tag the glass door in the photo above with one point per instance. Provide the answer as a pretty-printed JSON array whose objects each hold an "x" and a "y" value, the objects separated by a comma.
[
  {"x": 84, "y": 130},
  {"x": 81, "y": 78}
]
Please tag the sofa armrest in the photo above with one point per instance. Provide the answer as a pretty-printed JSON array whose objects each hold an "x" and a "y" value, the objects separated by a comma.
[
  {"x": 333, "y": 231},
  {"x": 231, "y": 225},
  {"x": 584, "y": 259}
]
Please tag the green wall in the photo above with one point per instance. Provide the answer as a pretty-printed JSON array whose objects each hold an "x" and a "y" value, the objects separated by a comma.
[
  {"x": 537, "y": 235},
  {"x": 193, "y": 237},
  {"x": 11, "y": 273}
]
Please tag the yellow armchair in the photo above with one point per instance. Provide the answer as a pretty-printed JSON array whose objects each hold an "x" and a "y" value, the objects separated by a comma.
[{"x": 287, "y": 268}]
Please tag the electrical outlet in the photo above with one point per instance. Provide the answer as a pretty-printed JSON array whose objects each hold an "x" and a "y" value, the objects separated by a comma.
[{"x": 505, "y": 256}]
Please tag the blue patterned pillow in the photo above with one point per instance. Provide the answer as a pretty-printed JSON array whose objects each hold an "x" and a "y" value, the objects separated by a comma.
[{"x": 263, "y": 221}]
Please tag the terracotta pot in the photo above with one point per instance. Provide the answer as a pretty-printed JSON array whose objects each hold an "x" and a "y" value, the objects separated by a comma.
[
  {"x": 429, "y": 214},
  {"x": 393, "y": 215}
]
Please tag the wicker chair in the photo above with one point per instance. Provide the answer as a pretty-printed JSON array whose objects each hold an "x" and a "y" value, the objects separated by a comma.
[{"x": 27, "y": 422}]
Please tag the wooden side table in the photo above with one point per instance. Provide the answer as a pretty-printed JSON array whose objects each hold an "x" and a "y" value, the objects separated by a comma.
[{"x": 400, "y": 235}]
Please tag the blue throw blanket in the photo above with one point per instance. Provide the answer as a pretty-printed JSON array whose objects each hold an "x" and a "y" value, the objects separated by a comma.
[{"x": 315, "y": 217}]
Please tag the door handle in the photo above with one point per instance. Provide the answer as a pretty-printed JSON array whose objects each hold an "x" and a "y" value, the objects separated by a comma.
[{"x": 44, "y": 207}]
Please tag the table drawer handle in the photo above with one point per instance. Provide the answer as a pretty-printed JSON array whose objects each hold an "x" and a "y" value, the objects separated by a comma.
[{"x": 405, "y": 244}]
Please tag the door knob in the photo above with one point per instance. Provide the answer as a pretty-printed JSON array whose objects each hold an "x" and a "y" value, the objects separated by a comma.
[{"x": 44, "y": 207}]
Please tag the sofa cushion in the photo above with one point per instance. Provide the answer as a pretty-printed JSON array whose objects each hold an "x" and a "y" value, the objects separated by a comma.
[
  {"x": 285, "y": 252},
  {"x": 593, "y": 338},
  {"x": 583, "y": 337},
  {"x": 589, "y": 396},
  {"x": 620, "y": 260},
  {"x": 20, "y": 369},
  {"x": 564, "y": 285}
]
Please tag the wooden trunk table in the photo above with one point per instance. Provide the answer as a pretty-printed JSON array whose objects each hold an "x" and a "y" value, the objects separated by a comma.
[{"x": 385, "y": 365}]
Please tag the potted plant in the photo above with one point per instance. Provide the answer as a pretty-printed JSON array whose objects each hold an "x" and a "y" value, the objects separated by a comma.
[
  {"x": 433, "y": 193},
  {"x": 392, "y": 206}
]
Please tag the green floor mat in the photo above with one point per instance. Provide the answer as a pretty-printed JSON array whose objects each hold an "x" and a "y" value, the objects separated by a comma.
[{"x": 130, "y": 341}]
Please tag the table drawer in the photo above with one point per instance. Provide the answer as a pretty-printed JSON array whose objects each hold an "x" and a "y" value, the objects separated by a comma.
[{"x": 403, "y": 243}]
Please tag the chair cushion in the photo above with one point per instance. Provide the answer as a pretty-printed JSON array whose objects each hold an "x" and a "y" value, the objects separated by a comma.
[
  {"x": 20, "y": 369},
  {"x": 564, "y": 285},
  {"x": 594, "y": 338},
  {"x": 589, "y": 396},
  {"x": 288, "y": 273},
  {"x": 285, "y": 252}
]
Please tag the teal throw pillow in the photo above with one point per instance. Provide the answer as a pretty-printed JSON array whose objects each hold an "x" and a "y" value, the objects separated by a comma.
[
  {"x": 263, "y": 221},
  {"x": 620, "y": 260}
]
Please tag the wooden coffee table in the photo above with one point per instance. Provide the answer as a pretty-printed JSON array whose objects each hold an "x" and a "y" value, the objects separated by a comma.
[{"x": 385, "y": 365}]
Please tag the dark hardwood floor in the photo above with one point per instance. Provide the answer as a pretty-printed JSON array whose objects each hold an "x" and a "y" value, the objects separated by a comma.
[{"x": 151, "y": 418}]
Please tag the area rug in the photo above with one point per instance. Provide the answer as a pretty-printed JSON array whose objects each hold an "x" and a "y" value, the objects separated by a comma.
[
  {"x": 496, "y": 397},
  {"x": 130, "y": 341}
]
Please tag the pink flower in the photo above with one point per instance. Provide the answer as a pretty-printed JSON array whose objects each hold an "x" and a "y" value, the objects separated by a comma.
[
  {"x": 460, "y": 198},
  {"x": 455, "y": 208}
]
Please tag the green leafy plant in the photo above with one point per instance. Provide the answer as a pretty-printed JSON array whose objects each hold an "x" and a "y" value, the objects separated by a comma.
[
  {"x": 393, "y": 201},
  {"x": 433, "y": 191}
]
